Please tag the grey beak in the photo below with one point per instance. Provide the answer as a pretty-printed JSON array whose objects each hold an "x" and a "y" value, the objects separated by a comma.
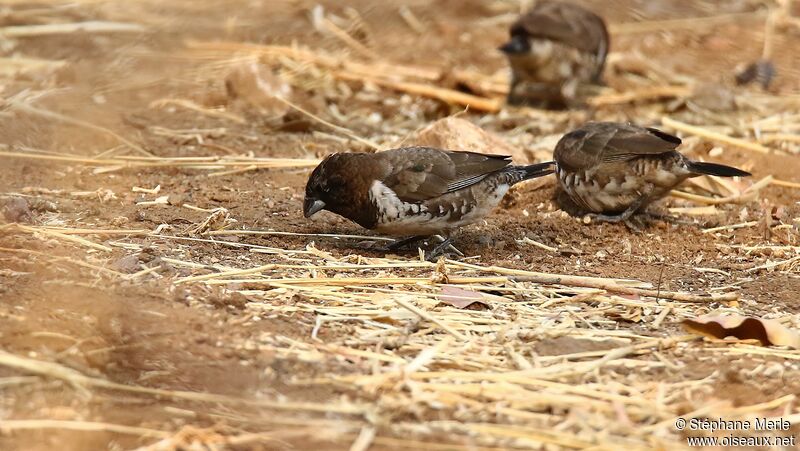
[
  {"x": 311, "y": 206},
  {"x": 516, "y": 46}
]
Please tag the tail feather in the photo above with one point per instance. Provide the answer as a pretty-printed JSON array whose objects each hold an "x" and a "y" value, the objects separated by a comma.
[
  {"x": 704, "y": 168},
  {"x": 539, "y": 169},
  {"x": 519, "y": 173}
]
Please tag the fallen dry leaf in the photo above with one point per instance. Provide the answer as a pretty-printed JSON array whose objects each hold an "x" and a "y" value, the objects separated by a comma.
[
  {"x": 219, "y": 219},
  {"x": 768, "y": 332},
  {"x": 461, "y": 298}
]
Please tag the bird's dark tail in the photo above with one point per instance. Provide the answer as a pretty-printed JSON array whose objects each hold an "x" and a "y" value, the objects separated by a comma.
[
  {"x": 704, "y": 168},
  {"x": 516, "y": 174},
  {"x": 539, "y": 169}
]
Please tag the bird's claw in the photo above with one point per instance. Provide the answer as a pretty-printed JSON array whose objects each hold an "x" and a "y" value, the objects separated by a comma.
[
  {"x": 399, "y": 244},
  {"x": 669, "y": 218},
  {"x": 634, "y": 223},
  {"x": 443, "y": 248}
]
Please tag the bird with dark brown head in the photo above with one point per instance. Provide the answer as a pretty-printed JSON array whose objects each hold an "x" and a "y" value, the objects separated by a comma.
[
  {"x": 414, "y": 191},
  {"x": 557, "y": 52},
  {"x": 615, "y": 170}
]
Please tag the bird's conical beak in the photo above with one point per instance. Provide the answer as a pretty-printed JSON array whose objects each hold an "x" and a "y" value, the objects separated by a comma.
[
  {"x": 311, "y": 206},
  {"x": 514, "y": 46}
]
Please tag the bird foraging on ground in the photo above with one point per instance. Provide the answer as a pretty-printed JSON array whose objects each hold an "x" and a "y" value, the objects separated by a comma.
[
  {"x": 557, "y": 50},
  {"x": 763, "y": 71},
  {"x": 414, "y": 191},
  {"x": 615, "y": 170}
]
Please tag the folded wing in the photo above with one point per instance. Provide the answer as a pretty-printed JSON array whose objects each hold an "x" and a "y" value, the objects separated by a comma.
[{"x": 421, "y": 173}]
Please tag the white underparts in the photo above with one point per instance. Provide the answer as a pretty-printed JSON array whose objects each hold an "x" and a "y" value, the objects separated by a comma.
[{"x": 451, "y": 210}]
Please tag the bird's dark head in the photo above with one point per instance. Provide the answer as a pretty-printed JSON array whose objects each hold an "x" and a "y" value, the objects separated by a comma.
[{"x": 328, "y": 187}]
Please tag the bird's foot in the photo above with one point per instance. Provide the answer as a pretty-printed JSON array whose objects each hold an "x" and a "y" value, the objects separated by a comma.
[
  {"x": 405, "y": 242},
  {"x": 634, "y": 223},
  {"x": 444, "y": 248},
  {"x": 668, "y": 218},
  {"x": 606, "y": 218}
]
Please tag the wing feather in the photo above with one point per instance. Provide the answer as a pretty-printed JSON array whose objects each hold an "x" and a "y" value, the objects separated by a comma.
[
  {"x": 417, "y": 174},
  {"x": 606, "y": 142}
]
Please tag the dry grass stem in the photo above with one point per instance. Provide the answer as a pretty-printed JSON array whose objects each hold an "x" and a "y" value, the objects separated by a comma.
[
  {"x": 27, "y": 31},
  {"x": 188, "y": 104},
  {"x": 179, "y": 300},
  {"x": 714, "y": 136}
]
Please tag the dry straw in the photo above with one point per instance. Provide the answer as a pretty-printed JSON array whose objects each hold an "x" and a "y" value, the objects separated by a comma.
[{"x": 545, "y": 360}]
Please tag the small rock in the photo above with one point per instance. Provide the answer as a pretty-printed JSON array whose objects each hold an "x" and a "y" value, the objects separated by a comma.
[
  {"x": 119, "y": 221},
  {"x": 43, "y": 205},
  {"x": 569, "y": 250},
  {"x": 148, "y": 254},
  {"x": 16, "y": 209},
  {"x": 176, "y": 200},
  {"x": 127, "y": 264},
  {"x": 713, "y": 97},
  {"x": 454, "y": 133},
  {"x": 257, "y": 87}
]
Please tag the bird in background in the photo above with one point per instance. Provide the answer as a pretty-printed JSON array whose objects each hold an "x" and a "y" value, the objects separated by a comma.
[
  {"x": 615, "y": 170},
  {"x": 557, "y": 52},
  {"x": 414, "y": 192}
]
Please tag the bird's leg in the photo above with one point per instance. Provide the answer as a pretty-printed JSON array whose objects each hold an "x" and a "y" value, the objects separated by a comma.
[
  {"x": 442, "y": 248},
  {"x": 405, "y": 242},
  {"x": 439, "y": 250},
  {"x": 668, "y": 218},
  {"x": 448, "y": 244},
  {"x": 445, "y": 245},
  {"x": 625, "y": 216}
]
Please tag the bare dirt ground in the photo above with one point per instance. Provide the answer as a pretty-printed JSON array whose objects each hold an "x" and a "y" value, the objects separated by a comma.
[{"x": 108, "y": 341}]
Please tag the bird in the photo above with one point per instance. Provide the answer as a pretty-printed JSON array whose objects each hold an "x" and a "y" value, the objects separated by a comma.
[
  {"x": 556, "y": 50},
  {"x": 614, "y": 170},
  {"x": 763, "y": 71},
  {"x": 414, "y": 192}
]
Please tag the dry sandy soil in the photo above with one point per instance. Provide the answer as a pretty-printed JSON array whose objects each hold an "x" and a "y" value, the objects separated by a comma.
[{"x": 105, "y": 345}]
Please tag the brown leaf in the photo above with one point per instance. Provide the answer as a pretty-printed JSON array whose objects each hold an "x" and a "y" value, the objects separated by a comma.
[
  {"x": 767, "y": 331},
  {"x": 464, "y": 299}
]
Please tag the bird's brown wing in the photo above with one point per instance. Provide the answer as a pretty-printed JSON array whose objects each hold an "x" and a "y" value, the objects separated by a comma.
[
  {"x": 604, "y": 142},
  {"x": 566, "y": 23},
  {"x": 420, "y": 173},
  {"x": 630, "y": 141}
]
